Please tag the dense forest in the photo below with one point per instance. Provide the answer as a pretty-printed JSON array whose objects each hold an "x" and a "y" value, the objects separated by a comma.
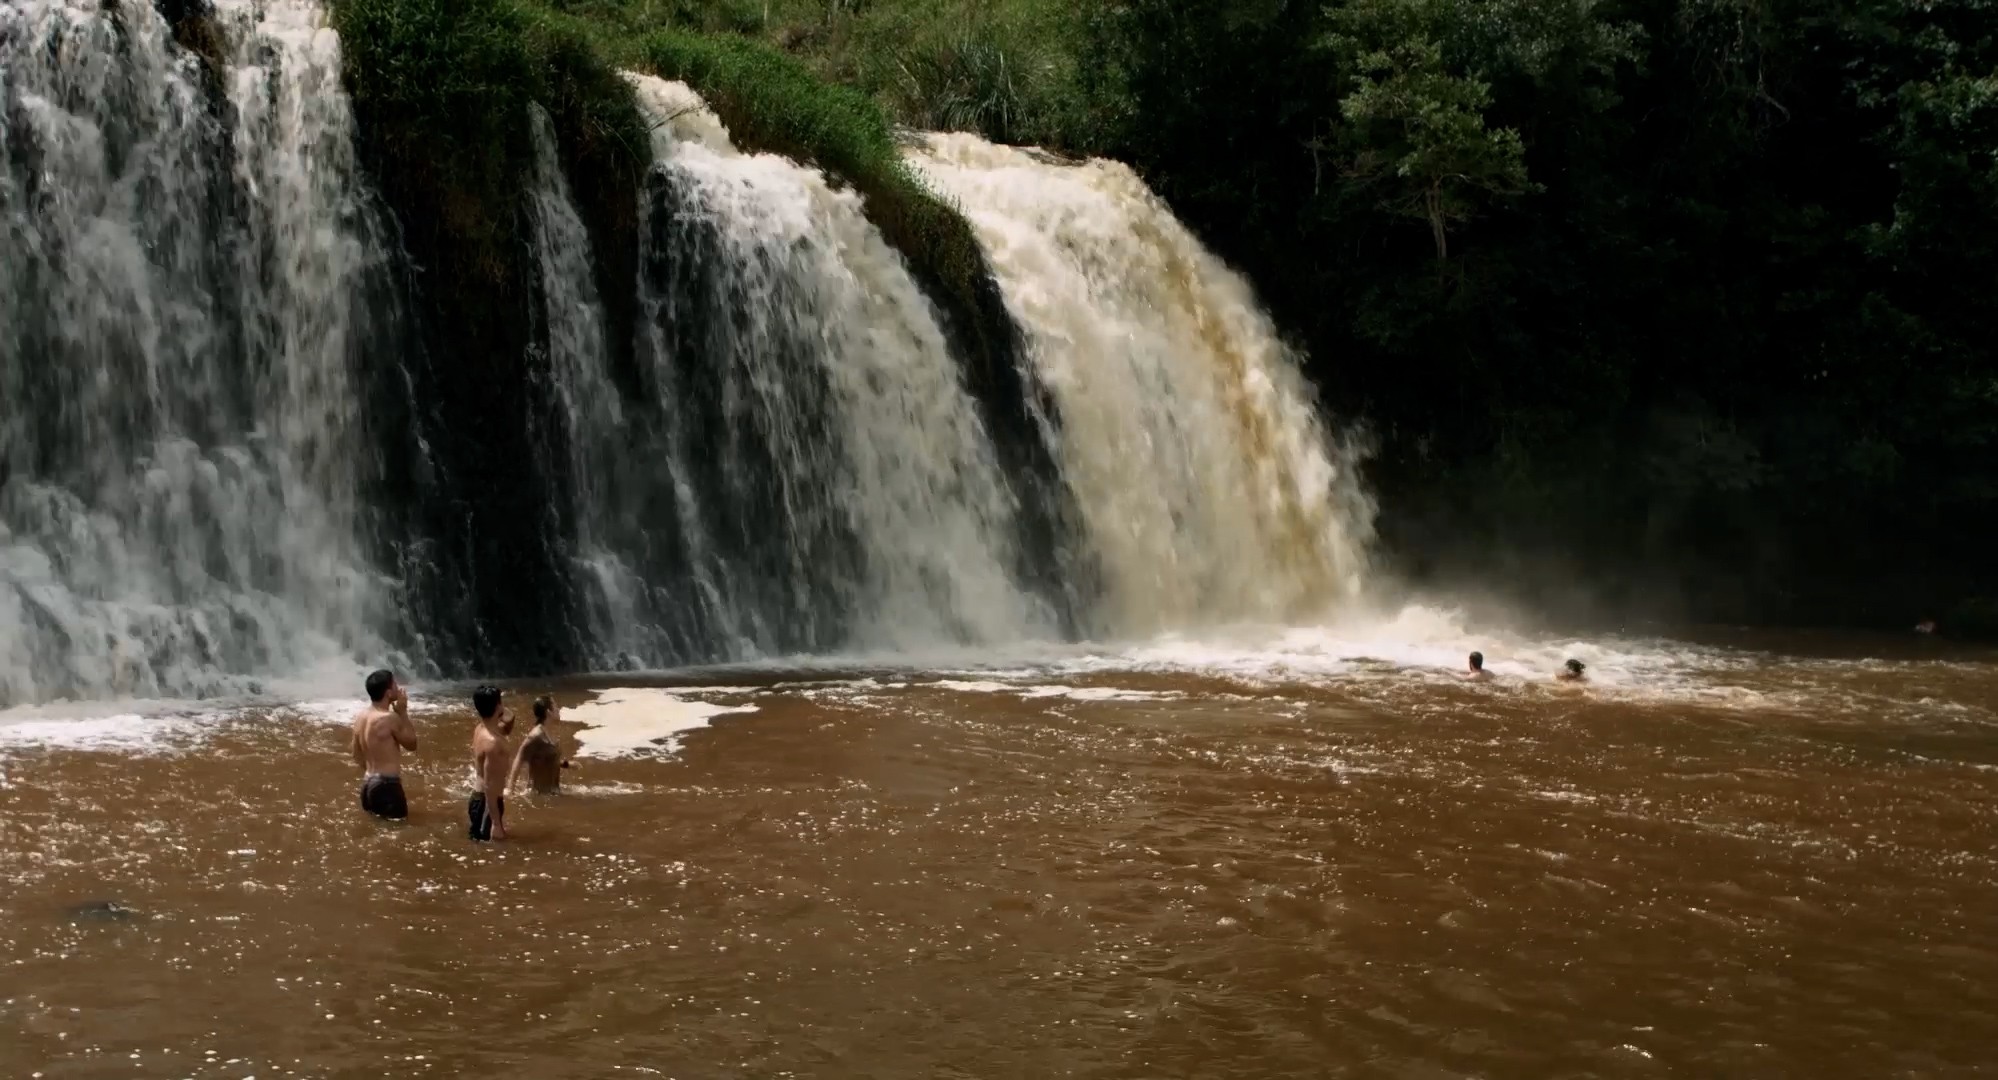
[
  {"x": 1692, "y": 296},
  {"x": 1663, "y": 302}
]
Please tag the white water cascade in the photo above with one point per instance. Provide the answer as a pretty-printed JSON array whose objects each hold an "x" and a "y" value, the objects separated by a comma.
[
  {"x": 834, "y": 484},
  {"x": 182, "y": 279},
  {"x": 1208, "y": 487},
  {"x": 596, "y": 433}
]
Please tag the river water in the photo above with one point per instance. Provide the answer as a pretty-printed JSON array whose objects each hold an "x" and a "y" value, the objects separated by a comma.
[{"x": 1308, "y": 853}]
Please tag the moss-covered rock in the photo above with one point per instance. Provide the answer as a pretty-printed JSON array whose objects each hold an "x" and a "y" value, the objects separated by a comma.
[{"x": 440, "y": 91}]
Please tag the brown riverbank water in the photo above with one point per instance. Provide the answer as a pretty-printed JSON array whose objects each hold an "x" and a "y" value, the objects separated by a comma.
[{"x": 1280, "y": 863}]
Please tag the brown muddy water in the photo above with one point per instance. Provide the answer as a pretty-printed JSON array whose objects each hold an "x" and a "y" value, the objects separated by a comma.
[{"x": 1300, "y": 858}]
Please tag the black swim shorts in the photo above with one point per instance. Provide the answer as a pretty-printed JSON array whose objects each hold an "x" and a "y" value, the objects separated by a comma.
[
  {"x": 482, "y": 822},
  {"x": 382, "y": 796}
]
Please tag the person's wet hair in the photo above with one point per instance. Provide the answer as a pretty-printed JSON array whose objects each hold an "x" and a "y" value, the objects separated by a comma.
[
  {"x": 379, "y": 683},
  {"x": 486, "y": 700},
  {"x": 543, "y": 705},
  {"x": 1477, "y": 661},
  {"x": 1574, "y": 667}
]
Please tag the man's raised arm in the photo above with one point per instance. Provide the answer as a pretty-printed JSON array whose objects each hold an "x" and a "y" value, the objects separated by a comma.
[{"x": 404, "y": 731}]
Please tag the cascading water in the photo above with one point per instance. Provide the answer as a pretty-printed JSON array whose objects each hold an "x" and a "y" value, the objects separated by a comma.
[
  {"x": 831, "y": 481},
  {"x": 182, "y": 272},
  {"x": 1208, "y": 488},
  {"x": 196, "y": 299},
  {"x": 597, "y": 434}
]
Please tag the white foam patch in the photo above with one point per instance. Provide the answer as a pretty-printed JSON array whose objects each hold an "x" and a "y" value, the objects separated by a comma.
[
  {"x": 1030, "y": 690},
  {"x": 128, "y": 733},
  {"x": 1098, "y": 693},
  {"x": 973, "y": 687},
  {"x": 601, "y": 791},
  {"x": 636, "y": 722},
  {"x": 157, "y": 727}
]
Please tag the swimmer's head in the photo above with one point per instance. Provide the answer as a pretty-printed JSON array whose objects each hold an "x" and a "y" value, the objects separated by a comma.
[
  {"x": 486, "y": 701},
  {"x": 1477, "y": 661},
  {"x": 379, "y": 685},
  {"x": 1574, "y": 667},
  {"x": 544, "y": 709}
]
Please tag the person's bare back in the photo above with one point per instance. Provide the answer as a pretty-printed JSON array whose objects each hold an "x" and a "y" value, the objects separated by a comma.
[
  {"x": 539, "y": 753},
  {"x": 491, "y": 763},
  {"x": 381, "y": 732}
]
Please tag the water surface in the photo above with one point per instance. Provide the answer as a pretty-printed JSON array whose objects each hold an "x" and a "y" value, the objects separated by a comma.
[{"x": 1299, "y": 855}]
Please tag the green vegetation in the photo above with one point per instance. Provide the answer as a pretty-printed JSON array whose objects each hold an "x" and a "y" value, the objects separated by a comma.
[
  {"x": 1699, "y": 286},
  {"x": 773, "y": 102},
  {"x": 440, "y": 86},
  {"x": 441, "y": 89},
  {"x": 1695, "y": 294},
  {"x": 1007, "y": 69}
]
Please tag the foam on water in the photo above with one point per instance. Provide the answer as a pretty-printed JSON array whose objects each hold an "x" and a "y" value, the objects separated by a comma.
[
  {"x": 637, "y": 722},
  {"x": 1417, "y": 650},
  {"x": 129, "y": 733},
  {"x": 1421, "y": 642},
  {"x": 598, "y": 791},
  {"x": 1036, "y": 691},
  {"x": 137, "y": 726}
]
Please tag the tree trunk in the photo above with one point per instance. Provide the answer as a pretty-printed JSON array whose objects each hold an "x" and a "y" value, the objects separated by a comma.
[{"x": 1433, "y": 202}]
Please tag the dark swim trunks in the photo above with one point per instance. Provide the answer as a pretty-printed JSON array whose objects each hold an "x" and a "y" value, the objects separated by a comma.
[
  {"x": 482, "y": 823},
  {"x": 382, "y": 796}
]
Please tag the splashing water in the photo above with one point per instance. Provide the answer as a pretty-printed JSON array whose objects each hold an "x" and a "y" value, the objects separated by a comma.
[
  {"x": 834, "y": 484},
  {"x": 595, "y": 434},
  {"x": 1209, "y": 489}
]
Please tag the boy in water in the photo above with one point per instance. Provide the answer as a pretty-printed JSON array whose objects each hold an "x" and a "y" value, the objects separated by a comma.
[
  {"x": 489, "y": 766},
  {"x": 1476, "y": 672},
  {"x": 381, "y": 732},
  {"x": 539, "y": 752},
  {"x": 1573, "y": 672}
]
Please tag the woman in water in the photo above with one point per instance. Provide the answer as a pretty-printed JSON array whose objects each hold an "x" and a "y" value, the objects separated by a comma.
[{"x": 539, "y": 752}]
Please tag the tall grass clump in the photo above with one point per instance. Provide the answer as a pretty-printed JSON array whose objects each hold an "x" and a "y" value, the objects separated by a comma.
[
  {"x": 1006, "y": 71},
  {"x": 439, "y": 89},
  {"x": 773, "y": 102}
]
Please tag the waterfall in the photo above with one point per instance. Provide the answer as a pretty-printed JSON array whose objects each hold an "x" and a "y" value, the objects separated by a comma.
[
  {"x": 833, "y": 485},
  {"x": 184, "y": 252},
  {"x": 1208, "y": 487},
  {"x": 205, "y": 454},
  {"x": 596, "y": 433}
]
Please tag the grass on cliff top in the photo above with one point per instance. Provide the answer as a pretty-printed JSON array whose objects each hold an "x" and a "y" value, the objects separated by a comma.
[
  {"x": 441, "y": 89},
  {"x": 773, "y": 102},
  {"x": 1007, "y": 69}
]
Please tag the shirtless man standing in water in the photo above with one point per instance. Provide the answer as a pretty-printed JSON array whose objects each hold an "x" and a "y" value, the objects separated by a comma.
[
  {"x": 490, "y": 762},
  {"x": 382, "y": 731}
]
